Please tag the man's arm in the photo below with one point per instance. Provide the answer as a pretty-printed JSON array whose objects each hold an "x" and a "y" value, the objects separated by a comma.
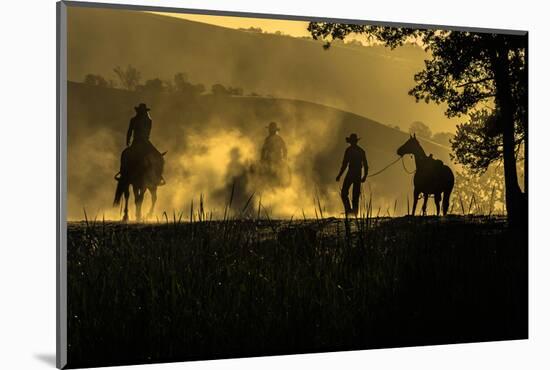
[
  {"x": 365, "y": 167},
  {"x": 283, "y": 148},
  {"x": 148, "y": 125},
  {"x": 345, "y": 163},
  {"x": 264, "y": 150},
  {"x": 129, "y": 133}
]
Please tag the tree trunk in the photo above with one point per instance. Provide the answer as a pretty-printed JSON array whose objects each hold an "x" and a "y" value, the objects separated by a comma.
[{"x": 516, "y": 202}]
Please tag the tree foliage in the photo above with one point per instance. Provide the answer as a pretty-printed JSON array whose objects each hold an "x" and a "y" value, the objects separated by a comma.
[
  {"x": 97, "y": 80},
  {"x": 420, "y": 129},
  {"x": 443, "y": 138},
  {"x": 460, "y": 72},
  {"x": 480, "y": 193},
  {"x": 220, "y": 90},
  {"x": 252, "y": 29},
  {"x": 184, "y": 87},
  {"x": 155, "y": 85},
  {"x": 478, "y": 142},
  {"x": 129, "y": 77},
  {"x": 473, "y": 145}
]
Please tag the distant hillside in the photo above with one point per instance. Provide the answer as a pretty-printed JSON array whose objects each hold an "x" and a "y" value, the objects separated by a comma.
[
  {"x": 210, "y": 140},
  {"x": 371, "y": 81}
]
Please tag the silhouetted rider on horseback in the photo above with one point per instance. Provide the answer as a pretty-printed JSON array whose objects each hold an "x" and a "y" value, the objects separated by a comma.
[
  {"x": 141, "y": 164},
  {"x": 274, "y": 149},
  {"x": 273, "y": 165},
  {"x": 139, "y": 149}
]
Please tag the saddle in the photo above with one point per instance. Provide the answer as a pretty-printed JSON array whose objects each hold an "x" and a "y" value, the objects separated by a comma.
[
  {"x": 141, "y": 159},
  {"x": 435, "y": 162}
]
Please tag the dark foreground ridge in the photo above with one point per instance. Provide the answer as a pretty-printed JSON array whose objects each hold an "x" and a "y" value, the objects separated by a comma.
[{"x": 177, "y": 291}]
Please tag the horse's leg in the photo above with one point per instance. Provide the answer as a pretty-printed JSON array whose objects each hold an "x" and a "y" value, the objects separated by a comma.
[
  {"x": 126, "y": 196},
  {"x": 415, "y": 200},
  {"x": 141, "y": 197},
  {"x": 437, "y": 200},
  {"x": 138, "y": 199},
  {"x": 153, "y": 191},
  {"x": 424, "y": 204},
  {"x": 446, "y": 197}
]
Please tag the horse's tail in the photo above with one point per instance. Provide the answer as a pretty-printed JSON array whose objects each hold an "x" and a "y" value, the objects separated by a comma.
[
  {"x": 447, "y": 192},
  {"x": 121, "y": 188}
]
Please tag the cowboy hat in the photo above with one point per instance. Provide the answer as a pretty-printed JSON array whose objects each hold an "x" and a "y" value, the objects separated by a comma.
[
  {"x": 142, "y": 107},
  {"x": 273, "y": 126},
  {"x": 352, "y": 138}
]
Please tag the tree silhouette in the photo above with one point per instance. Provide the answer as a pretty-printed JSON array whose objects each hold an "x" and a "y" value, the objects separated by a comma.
[
  {"x": 237, "y": 91},
  {"x": 420, "y": 129},
  {"x": 443, "y": 138},
  {"x": 183, "y": 86},
  {"x": 180, "y": 82},
  {"x": 155, "y": 85},
  {"x": 252, "y": 29},
  {"x": 479, "y": 142},
  {"x": 219, "y": 90},
  {"x": 481, "y": 193},
  {"x": 129, "y": 78},
  {"x": 98, "y": 80},
  {"x": 467, "y": 70},
  {"x": 199, "y": 89}
]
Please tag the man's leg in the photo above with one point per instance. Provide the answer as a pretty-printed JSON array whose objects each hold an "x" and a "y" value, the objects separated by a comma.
[
  {"x": 356, "y": 192},
  {"x": 124, "y": 163},
  {"x": 158, "y": 162},
  {"x": 344, "y": 194}
]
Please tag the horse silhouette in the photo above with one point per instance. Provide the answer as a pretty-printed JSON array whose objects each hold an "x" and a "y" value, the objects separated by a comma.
[
  {"x": 431, "y": 177},
  {"x": 143, "y": 173}
]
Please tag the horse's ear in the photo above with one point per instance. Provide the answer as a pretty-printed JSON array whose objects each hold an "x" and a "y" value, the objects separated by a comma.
[
  {"x": 414, "y": 135},
  {"x": 411, "y": 135}
]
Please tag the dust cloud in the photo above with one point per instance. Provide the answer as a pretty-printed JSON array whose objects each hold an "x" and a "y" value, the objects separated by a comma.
[{"x": 213, "y": 143}]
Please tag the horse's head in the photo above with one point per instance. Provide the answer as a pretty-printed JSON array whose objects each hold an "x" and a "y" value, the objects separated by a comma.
[{"x": 410, "y": 147}]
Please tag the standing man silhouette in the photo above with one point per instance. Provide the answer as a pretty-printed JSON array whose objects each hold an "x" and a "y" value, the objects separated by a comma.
[{"x": 355, "y": 160}]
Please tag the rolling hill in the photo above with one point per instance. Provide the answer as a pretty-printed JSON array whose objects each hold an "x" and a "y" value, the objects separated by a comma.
[
  {"x": 369, "y": 81},
  {"x": 211, "y": 141}
]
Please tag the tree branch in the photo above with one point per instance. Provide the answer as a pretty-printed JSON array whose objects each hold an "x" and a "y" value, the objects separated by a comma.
[{"x": 476, "y": 82}]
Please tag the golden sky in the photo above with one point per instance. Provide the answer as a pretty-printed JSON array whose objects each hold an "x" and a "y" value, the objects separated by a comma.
[
  {"x": 292, "y": 28},
  {"x": 288, "y": 27}
]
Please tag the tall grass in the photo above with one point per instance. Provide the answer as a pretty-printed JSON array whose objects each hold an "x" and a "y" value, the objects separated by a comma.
[{"x": 245, "y": 286}]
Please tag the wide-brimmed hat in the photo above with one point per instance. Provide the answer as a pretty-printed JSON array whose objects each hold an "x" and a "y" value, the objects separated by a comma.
[
  {"x": 142, "y": 107},
  {"x": 273, "y": 126},
  {"x": 353, "y": 138}
]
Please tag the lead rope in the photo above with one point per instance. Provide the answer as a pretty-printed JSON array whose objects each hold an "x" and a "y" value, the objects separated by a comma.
[
  {"x": 405, "y": 168},
  {"x": 385, "y": 168}
]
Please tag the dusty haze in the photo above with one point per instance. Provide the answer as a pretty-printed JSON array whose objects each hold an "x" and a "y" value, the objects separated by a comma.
[{"x": 317, "y": 97}]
